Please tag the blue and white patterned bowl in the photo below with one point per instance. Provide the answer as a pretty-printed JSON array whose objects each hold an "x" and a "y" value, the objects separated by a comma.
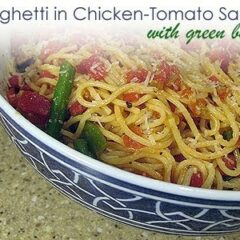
[{"x": 126, "y": 197}]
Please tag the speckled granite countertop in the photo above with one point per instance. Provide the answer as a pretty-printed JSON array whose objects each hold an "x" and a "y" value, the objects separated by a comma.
[{"x": 30, "y": 208}]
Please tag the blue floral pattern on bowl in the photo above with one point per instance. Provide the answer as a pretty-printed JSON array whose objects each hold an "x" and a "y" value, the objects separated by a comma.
[{"x": 128, "y": 203}]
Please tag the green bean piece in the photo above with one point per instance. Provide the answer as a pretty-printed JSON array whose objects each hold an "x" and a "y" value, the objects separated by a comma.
[
  {"x": 94, "y": 137},
  {"x": 60, "y": 99},
  {"x": 81, "y": 146},
  {"x": 227, "y": 134}
]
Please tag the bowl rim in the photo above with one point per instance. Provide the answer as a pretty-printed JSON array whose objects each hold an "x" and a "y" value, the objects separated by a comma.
[{"x": 114, "y": 172}]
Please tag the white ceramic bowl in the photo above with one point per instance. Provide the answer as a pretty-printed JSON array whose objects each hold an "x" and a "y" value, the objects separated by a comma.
[{"x": 129, "y": 198}]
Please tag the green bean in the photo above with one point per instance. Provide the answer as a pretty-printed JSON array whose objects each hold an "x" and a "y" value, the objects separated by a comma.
[
  {"x": 94, "y": 137},
  {"x": 60, "y": 99},
  {"x": 81, "y": 146}
]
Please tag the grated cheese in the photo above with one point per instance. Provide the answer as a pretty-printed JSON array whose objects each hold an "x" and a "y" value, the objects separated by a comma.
[{"x": 147, "y": 80}]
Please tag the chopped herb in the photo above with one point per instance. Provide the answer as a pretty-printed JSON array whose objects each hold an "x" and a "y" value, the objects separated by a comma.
[{"x": 228, "y": 134}]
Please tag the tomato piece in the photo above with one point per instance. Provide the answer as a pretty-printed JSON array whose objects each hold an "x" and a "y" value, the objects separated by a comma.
[
  {"x": 197, "y": 106},
  {"x": 168, "y": 76},
  {"x": 137, "y": 130},
  {"x": 76, "y": 109},
  {"x": 175, "y": 85},
  {"x": 34, "y": 107},
  {"x": 196, "y": 180},
  {"x": 12, "y": 97},
  {"x": 137, "y": 76},
  {"x": 15, "y": 81},
  {"x": 230, "y": 161},
  {"x": 223, "y": 93},
  {"x": 213, "y": 79},
  {"x": 92, "y": 66},
  {"x": 163, "y": 74},
  {"x": 130, "y": 143},
  {"x": 186, "y": 93},
  {"x": 131, "y": 97},
  {"x": 52, "y": 47},
  {"x": 46, "y": 74},
  {"x": 175, "y": 80}
]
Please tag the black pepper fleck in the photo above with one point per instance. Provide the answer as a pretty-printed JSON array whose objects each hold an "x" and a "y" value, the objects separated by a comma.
[{"x": 129, "y": 104}]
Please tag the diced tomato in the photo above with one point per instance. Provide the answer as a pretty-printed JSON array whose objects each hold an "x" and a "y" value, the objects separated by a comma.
[
  {"x": 131, "y": 97},
  {"x": 223, "y": 93},
  {"x": 137, "y": 130},
  {"x": 230, "y": 162},
  {"x": 163, "y": 73},
  {"x": 34, "y": 107},
  {"x": 15, "y": 81},
  {"x": 137, "y": 76},
  {"x": 52, "y": 47},
  {"x": 194, "y": 109},
  {"x": 12, "y": 97},
  {"x": 197, "y": 106},
  {"x": 168, "y": 75},
  {"x": 76, "y": 109},
  {"x": 174, "y": 84},
  {"x": 186, "y": 93},
  {"x": 130, "y": 143},
  {"x": 46, "y": 74},
  {"x": 222, "y": 56},
  {"x": 213, "y": 79},
  {"x": 92, "y": 66},
  {"x": 196, "y": 180}
]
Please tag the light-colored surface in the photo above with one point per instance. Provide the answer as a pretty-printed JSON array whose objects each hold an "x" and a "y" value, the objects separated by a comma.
[{"x": 30, "y": 208}]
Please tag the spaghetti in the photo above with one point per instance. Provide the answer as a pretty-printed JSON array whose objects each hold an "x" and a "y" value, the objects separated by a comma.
[{"x": 167, "y": 112}]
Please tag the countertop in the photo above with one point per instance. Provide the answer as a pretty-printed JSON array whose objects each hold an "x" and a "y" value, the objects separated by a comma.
[{"x": 30, "y": 208}]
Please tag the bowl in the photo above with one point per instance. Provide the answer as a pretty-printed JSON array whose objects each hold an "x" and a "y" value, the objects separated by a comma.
[{"x": 120, "y": 195}]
